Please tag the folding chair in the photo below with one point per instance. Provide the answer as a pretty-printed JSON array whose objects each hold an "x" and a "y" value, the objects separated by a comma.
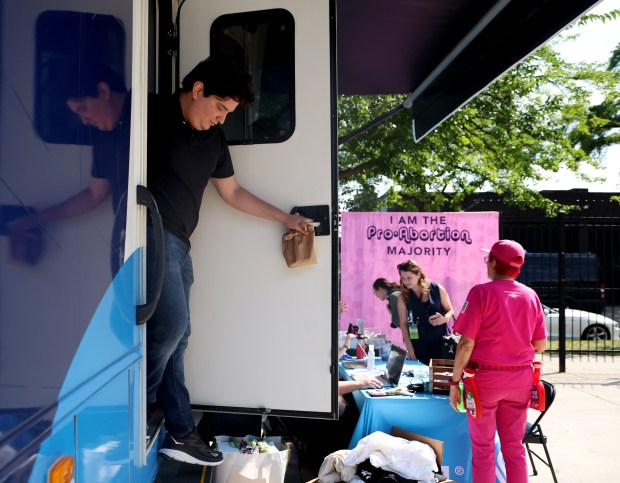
[{"x": 534, "y": 433}]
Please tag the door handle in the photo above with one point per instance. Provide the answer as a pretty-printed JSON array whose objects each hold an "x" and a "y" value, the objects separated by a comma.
[{"x": 145, "y": 198}]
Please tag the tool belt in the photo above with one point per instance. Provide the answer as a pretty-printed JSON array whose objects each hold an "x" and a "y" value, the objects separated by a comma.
[{"x": 497, "y": 367}]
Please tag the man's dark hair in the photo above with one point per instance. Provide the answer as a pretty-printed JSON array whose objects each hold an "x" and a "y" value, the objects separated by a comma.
[
  {"x": 222, "y": 78},
  {"x": 83, "y": 79}
]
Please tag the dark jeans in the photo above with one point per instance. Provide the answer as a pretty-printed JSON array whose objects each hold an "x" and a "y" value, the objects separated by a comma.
[{"x": 167, "y": 335}]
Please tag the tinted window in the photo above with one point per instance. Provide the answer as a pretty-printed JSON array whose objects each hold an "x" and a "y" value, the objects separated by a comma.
[
  {"x": 66, "y": 41},
  {"x": 263, "y": 43}
]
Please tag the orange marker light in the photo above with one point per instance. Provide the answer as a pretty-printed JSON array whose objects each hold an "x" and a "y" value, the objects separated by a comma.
[{"x": 61, "y": 471}]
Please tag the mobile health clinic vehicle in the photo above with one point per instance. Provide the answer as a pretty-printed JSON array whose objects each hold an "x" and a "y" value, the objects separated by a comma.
[{"x": 73, "y": 299}]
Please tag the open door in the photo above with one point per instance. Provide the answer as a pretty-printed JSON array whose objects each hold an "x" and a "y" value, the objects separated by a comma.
[{"x": 263, "y": 335}]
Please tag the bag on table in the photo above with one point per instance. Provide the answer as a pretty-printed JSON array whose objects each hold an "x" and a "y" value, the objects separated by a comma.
[
  {"x": 299, "y": 249},
  {"x": 449, "y": 343},
  {"x": 239, "y": 467}
]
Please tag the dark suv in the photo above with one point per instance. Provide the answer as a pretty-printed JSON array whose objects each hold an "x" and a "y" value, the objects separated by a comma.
[{"x": 583, "y": 288}]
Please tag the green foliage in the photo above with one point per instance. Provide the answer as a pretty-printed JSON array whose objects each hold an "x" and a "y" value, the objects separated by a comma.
[
  {"x": 538, "y": 118},
  {"x": 603, "y": 17}
]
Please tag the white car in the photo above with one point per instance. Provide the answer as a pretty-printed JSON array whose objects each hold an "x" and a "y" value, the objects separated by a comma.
[{"x": 581, "y": 325}]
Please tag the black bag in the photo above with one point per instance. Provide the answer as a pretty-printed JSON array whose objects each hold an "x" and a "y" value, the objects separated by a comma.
[
  {"x": 368, "y": 473},
  {"x": 448, "y": 344}
]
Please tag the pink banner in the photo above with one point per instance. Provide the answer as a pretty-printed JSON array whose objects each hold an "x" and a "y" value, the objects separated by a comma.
[{"x": 446, "y": 245}]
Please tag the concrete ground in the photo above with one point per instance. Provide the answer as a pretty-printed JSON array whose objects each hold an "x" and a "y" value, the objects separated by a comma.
[{"x": 583, "y": 424}]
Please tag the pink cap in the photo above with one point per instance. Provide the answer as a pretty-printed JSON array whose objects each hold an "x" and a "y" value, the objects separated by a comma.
[{"x": 508, "y": 252}]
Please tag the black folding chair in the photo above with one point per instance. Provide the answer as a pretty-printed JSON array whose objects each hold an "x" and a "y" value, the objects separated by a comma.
[{"x": 534, "y": 433}]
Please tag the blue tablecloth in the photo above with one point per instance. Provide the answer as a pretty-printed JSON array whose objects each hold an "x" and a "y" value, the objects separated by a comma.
[{"x": 423, "y": 413}]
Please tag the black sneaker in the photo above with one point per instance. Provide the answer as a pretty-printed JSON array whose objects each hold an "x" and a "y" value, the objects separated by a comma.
[{"x": 190, "y": 449}]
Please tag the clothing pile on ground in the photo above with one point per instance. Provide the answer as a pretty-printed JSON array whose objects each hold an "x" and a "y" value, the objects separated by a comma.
[{"x": 381, "y": 457}]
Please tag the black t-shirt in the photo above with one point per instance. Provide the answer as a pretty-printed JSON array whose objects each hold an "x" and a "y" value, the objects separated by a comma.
[
  {"x": 111, "y": 156},
  {"x": 111, "y": 162},
  {"x": 180, "y": 163}
]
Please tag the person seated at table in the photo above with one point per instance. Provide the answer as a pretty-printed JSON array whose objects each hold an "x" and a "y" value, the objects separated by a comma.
[
  {"x": 424, "y": 309},
  {"x": 390, "y": 291},
  {"x": 347, "y": 387}
]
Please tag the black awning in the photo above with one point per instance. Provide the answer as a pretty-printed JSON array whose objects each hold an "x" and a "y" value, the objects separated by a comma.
[{"x": 443, "y": 52}]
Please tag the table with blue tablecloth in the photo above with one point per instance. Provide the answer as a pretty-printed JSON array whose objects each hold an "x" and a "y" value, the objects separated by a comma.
[{"x": 423, "y": 413}]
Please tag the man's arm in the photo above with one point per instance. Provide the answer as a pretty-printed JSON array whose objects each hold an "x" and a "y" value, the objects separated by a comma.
[
  {"x": 86, "y": 200},
  {"x": 242, "y": 200}
]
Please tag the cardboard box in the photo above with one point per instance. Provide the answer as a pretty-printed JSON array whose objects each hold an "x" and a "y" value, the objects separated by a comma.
[
  {"x": 440, "y": 374},
  {"x": 433, "y": 443}
]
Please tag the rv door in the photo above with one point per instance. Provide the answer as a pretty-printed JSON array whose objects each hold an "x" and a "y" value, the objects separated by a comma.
[{"x": 263, "y": 335}]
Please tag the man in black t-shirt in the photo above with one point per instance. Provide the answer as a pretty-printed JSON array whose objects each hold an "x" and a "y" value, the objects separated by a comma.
[
  {"x": 97, "y": 95},
  {"x": 186, "y": 150}
]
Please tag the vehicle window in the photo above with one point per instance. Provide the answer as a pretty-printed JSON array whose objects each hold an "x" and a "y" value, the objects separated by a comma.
[
  {"x": 59, "y": 64},
  {"x": 263, "y": 42}
]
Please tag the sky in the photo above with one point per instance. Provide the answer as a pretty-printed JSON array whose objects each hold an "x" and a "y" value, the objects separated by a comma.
[{"x": 595, "y": 44}]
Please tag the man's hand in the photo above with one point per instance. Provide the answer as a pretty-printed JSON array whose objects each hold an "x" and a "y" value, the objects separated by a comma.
[
  {"x": 298, "y": 223},
  {"x": 22, "y": 224}
]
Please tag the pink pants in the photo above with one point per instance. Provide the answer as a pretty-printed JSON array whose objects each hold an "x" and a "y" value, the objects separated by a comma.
[{"x": 505, "y": 397}]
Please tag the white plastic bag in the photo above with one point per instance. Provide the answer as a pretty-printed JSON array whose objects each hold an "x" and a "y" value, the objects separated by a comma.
[{"x": 240, "y": 467}]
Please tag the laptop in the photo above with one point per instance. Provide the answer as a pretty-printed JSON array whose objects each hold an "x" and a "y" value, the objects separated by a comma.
[{"x": 393, "y": 368}]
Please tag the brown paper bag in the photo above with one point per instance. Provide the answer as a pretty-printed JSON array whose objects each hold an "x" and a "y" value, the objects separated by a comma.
[{"x": 299, "y": 249}]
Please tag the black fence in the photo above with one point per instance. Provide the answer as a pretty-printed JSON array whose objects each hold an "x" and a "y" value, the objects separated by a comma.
[{"x": 573, "y": 263}]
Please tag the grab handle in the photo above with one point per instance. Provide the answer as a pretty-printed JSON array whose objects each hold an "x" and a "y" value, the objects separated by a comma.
[{"x": 145, "y": 198}]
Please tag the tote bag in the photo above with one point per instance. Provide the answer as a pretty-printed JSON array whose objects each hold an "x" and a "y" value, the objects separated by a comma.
[{"x": 240, "y": 467}]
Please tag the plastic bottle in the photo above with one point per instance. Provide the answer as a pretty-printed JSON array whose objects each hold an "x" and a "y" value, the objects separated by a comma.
[
  {"x": 370, "y": 363},
  {"x": 460, "y": 405},
  {"x": 472, "y": 399},
  {"x": 360, "y": 353},
  {"x": 537, "y": 398}
]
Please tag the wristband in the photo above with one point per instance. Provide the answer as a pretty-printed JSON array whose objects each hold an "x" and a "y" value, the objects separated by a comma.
[
  {"x": 453, "y": 383},
  {"x": 347, "y": 348}
]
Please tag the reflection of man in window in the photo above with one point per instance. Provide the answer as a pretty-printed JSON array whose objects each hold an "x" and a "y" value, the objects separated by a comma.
[{"x": 97, "y": 94}]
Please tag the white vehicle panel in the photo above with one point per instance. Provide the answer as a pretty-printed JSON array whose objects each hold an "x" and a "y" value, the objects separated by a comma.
[{"x": 259, "y": 329}]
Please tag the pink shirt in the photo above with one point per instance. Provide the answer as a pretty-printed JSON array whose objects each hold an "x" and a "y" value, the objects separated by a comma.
[{"x": 503, "y": 317}]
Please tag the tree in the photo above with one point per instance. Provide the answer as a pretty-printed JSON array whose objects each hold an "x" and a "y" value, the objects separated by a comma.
[{"x": 538, "y": 118}]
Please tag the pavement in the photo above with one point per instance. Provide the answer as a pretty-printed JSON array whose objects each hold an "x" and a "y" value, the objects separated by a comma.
[{"x": 583, "y": 424}]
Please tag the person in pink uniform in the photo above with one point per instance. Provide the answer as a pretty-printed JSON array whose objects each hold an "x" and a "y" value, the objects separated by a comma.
[{"x": 502, "y": 324}]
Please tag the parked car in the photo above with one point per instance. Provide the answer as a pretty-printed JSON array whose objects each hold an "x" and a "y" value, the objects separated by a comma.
[{"x": 581, "y": 325}]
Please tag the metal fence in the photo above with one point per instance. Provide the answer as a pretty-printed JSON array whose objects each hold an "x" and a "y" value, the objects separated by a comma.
[{"x": 573, "y": 263}]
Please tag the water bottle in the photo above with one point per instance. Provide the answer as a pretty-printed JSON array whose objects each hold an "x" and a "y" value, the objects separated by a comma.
[
  {"x": 460, "y": 405},
  {"x": 472, "y": 399},
  {"x": 537, "y": 397},
  {"x": 360, "y": 353},
  {"x": 370, "y": 363}
]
